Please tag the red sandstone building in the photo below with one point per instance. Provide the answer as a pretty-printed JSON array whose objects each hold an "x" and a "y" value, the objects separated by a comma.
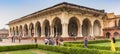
[
  {"x": 4, "y": 33},
  {"x": 112, "y": 25}
]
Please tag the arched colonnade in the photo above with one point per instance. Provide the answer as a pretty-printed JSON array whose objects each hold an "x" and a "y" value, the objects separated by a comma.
[{"x": 57, "y": 27}]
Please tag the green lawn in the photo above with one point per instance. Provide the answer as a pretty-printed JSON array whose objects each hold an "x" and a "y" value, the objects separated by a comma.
[
  {"x": 117, "y": 44},
  {"x": 31, "y": 51}
]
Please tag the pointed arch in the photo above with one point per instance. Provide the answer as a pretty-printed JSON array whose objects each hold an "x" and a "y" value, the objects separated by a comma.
[
  {"x": 108, "y": 35},
  {"x": 96, "y": 28},
  {"x": 38, "y": 28},
  {"x": 57, "y": 26},
  {"x": 86, "y": 27},
  {"x": 31, "y": 28},
  {"x": 26, "y": 30},
  {"x": 116, "y": 34},
  {"x": 20, "y": 30},
  {"x": 46, "y": 28},
  {"x": 73, "y": 26}
]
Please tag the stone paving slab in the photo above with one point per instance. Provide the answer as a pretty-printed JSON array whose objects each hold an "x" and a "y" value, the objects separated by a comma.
[{"x": 7, "y": 42}]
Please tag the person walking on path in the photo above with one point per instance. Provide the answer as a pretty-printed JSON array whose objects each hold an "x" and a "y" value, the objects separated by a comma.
[
  {"x": 113, "y": 44},
  {"x": 12, "y": 39},
  {"x": 32, "y": 39},
  {"x": 35, "y": 39},
  {"x": 19, "y": 38},
  {"x": 85, "y": 42},
  {"x": 75, "y": 38},
  {"x": 46, "y": 41},
  {"x": 61, "y": 41},
  {"x": 57, "y": 41},
  {"x": 51, "y": 41}
]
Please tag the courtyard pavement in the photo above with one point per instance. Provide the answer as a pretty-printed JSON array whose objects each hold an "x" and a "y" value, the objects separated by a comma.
[{"x": 7, "y": 42}]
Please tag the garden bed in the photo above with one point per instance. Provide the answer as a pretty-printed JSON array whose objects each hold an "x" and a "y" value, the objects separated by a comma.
[{"x": 68, "y": 48}]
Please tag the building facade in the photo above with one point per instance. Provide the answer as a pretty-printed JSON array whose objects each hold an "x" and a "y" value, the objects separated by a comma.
[
  {"x": 64, "y": 19},
  {"x": 4, "y": 33},
  {"x": 112, "y": 25}
]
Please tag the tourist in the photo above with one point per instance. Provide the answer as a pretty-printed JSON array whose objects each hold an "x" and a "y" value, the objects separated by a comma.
[
  {"x": 93, "y": 37},
  {"x": 51, "y": 41},
  {"x": 57, "y": 42},
  {"x": 54, "y": 41},
  {"x": 46, "y": 41},
  {"x": 61, "y": 41},
  {"x": 20, "y": 39},
  {"x": 32, "y": 38},
  {"x": 75, "y": 38},
  {"x": 35, "y": 39},
  {"x": 113, "y": 44},
  {"x": 12, "y": 39},
  {"x": 90, "y": 37},
  {"x": 85, "y": 42},
  {"x": 72, "y": 34}
]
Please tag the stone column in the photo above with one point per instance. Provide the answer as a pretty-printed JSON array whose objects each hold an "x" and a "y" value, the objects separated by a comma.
[
  {"x": 35, "y": 35},
  {"x": 92, "y": 34},
  {"x": 101, "y": 30},
  {"x": 15, "y": 33},
  {"x": 29, "y": 32},
  {"x": 42, "y": 31},
  {"x": 34, "y": 30},
  {"x": 80, "y": 31},
  {"x": 10, "y": 33},
  {"x": 65, "y": 30},
  {"x": 65, "y": 22},
  {"x": 51, "y": 31},
  {"x": 23, "y": 32}
]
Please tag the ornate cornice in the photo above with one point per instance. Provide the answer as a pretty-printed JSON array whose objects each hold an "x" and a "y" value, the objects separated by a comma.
[{"x": 60, "y": 7}]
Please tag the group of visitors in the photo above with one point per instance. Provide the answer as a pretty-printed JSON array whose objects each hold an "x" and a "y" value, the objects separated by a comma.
[
  {"x": 54, "y": 41},
  {"x": 13, "y": 38},
  {"x": 59, "y": 41}
]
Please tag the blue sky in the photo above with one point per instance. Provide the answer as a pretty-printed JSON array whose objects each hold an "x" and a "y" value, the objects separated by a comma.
[{"x": 13, "y": 9}]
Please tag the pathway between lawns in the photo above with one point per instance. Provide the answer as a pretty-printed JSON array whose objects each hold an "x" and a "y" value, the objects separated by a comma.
[
  {"x": 37, "y": 52},
  {"x": 34, "y": 51}
]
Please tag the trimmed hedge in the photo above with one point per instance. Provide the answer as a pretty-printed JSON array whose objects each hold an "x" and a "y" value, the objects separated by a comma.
[
  {"x": 91, "y": 46},
  {"x": 62, "y": 49},
  {"x": 93, "y": 41},
  {"x": 17, "y": 47},
  {"x": 54, "y": 48},
  {"x": 90, "y": 42},
  {"x": 74, "y": 50}
]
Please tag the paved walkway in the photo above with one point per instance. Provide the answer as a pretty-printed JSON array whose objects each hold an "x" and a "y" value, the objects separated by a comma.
[{"x": 7, "y": 42}]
